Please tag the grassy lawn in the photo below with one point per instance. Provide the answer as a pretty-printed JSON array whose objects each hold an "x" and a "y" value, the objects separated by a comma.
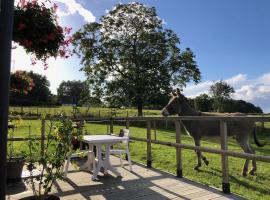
[{"x": 251, "y": 187}]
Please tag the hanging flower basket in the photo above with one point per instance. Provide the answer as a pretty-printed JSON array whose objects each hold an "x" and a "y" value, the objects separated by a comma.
[
  {"x": 37, "y": 30},
  {"x": 21, "y": 82}
]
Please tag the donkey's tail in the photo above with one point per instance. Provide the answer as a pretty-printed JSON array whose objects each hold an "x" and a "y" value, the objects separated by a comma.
[{"x": 256, "y": 140}]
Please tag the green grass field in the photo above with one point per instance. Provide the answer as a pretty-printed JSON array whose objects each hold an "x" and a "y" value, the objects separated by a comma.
[
  {"x": 93, "y": 111},
  {"x": 251, "y": 187}
]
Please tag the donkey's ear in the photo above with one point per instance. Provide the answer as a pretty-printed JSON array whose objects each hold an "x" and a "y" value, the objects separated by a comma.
[
  {"x": 178, "y": 92},
  {"x": 173, "y": 94}
]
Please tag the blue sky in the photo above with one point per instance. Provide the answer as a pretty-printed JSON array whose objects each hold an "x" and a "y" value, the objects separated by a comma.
[{"x": 230, "y": 39}]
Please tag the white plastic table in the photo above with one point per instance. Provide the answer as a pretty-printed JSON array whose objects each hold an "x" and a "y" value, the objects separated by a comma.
[{"x": 99, "y": 141}]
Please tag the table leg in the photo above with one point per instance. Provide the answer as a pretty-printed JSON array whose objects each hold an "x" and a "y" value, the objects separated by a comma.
[
  {"x": 107, "y": 164},
  {"x": 98, "y": 164}
]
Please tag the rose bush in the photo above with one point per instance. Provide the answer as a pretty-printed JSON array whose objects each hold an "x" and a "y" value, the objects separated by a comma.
[{"x": 21, "y": 82}]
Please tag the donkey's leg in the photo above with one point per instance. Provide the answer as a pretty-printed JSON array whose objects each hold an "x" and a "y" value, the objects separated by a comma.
[
  {"x": 197, "y": 143},
  {"x": 254, "y": 165},
  {"x": 244, "y": 145},
  {"x": 199, "y": 155},
  {"x": 205, "y": 160}
]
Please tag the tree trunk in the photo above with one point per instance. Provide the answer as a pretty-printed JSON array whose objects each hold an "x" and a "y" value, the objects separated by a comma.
[{"x": 140, "y": 107}]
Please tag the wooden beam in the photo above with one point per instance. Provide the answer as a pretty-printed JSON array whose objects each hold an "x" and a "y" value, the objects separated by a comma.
[
  {"x": 149, "y": 153},
  {"x": 208, "y": 150},
  {"x": 42, "y": 142},
  {"x": 6, "y": 26},
  {"x": 179, "y": 170},
  {"x": 111, "y": 125},
  {"x": 224, "y": 158}
]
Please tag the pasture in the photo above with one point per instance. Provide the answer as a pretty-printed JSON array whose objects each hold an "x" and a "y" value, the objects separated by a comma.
[
  {"x": 69, "y": 110},
  {"x": 251, "y": 187}
]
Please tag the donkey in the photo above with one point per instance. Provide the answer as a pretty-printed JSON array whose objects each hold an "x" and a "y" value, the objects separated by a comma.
[{"x": 198, "y": 129}]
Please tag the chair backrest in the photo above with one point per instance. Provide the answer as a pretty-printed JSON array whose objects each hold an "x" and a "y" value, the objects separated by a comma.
[{"x": 124, "y": 133}]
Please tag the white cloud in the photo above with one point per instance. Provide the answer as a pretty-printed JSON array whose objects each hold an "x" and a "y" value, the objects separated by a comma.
[
  {"x": 256, "y": 91},
  {"x": 236, "y": 80},
  {"x": 73, "y": 7},
  {"x": 264, "y": 79},
  {"x": 195, "y": 90}
]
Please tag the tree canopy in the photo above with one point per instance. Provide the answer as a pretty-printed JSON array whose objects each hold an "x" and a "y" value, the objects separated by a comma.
[
  {"x": 203, "y": 103},
  {"x": 73, "y": 92},
  {"x": 221, "y": 92},
  {"x": 129, "y": 55}
]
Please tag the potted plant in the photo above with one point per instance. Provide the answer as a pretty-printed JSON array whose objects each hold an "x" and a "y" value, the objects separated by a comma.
[
  {"x": 37, "y": 30},
  {"x": 15, "y": 159},
  {"x": 60, "y": 132}
]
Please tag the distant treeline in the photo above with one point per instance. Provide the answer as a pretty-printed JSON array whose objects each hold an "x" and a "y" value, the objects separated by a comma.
[
  {"x": 79, "y": 93},
  {"x": 206, "y": 103}
]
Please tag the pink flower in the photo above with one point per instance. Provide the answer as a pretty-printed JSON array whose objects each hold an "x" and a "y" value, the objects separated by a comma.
[
  {"x": 46, "y": 66},
  {"x": 26, "y": 43},
  {"x": 67, "y": 30},
  {"x": 62, "y": 53},
  {"x": 44, "y": 40},
  {"x": 22, "y": 2},
  {"x": 51, "y": 36},
  {"x": 33, "y": 61},
  {"x": 21, "y": 26},
  {"x": 55, "y": 7}
]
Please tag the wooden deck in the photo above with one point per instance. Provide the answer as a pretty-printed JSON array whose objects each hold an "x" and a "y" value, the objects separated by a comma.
[{"x": 140, "y": 184}]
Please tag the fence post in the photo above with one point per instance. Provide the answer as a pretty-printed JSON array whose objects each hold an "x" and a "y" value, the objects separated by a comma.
[
  {"x": 149, "y": 155},
  {"x": 224, "y": 158},
  {"x": 179, "y": 169},
  {"x": 127, "y": 124},
  {"x": 111, "y": 125},
  {"x": 127, "y": 127},
  {"x": 42, "y": 139},
  {"x": 155, "y": 129}
]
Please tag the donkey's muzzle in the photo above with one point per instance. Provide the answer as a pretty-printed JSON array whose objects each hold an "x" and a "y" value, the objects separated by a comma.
[{"x": 165, "y": 112}]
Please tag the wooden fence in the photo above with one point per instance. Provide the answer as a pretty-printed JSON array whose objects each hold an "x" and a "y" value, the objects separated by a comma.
[
  {"x": 223, "y": 151},
  {"x": 178, "y": 145}
]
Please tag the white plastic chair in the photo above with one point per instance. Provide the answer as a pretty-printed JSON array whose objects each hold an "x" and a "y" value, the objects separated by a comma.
[
  {"x": 90, "y": 164},
  {"x": 123, "y": 133}
]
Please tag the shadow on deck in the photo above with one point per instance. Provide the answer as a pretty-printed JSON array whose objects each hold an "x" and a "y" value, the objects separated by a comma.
[{"x": 141, "y": 184}]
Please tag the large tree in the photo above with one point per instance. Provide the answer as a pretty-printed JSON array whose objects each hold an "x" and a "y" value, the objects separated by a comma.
[
  {"x": 73, "y": 92},
  {"x": 203, "y": 103},
  {"x": 129, "y": 54},
  {"x": 221, "y": 93}
]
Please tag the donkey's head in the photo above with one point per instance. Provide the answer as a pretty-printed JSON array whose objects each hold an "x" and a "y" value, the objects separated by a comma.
[{"x": 175, "y": 105}]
